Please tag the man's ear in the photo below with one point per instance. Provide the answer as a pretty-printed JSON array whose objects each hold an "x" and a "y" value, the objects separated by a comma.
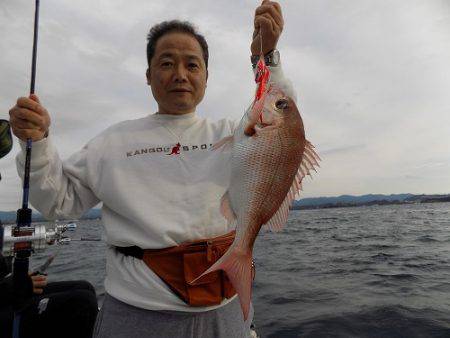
[{"x": 147, "y": 73}]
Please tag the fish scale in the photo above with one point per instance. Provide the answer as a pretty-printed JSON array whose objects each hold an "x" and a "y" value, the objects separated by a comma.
[{"x": 249, "y": 166}]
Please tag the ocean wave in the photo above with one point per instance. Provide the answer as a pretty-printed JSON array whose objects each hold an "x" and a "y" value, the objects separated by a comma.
[
  {"x": 397, "y": 276},
  {"x": 388, "y": 321},
  {"x": 426, "y": 239}
]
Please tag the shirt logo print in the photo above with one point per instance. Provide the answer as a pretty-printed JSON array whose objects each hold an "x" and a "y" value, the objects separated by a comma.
[
  {"x": 175, "y": 150},
  {"x": 169, "y": 150}
]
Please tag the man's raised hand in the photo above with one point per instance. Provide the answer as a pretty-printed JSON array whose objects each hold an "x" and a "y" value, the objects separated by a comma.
[
  {"x": 268, "y": 24},
  {"x": 29, "y": 119}
]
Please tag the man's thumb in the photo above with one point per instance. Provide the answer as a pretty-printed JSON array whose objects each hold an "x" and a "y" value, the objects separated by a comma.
[{"x": 35, "y": 98}]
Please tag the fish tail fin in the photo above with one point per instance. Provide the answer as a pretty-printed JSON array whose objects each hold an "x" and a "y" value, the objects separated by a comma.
[{"x": 237, "y": 264}]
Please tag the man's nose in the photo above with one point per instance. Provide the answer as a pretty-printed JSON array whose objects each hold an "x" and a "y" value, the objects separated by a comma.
[{"x": 180, "y": 74}]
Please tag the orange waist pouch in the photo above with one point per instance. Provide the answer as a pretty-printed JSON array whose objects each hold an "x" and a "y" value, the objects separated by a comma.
[{"x": 179, "y": 265}]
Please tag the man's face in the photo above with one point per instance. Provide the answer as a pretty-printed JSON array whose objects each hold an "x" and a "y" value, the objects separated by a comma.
[{"x": 177, "y": 73}]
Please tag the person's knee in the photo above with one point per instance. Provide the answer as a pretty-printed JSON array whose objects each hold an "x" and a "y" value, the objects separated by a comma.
[
  {"x": 82, "y": 308},
  {"x": 85, "y": 285},
  {"x": 77, "y": 304},
  {"x": 61, "y": 311},
  {"x": 84, "y": 299}
]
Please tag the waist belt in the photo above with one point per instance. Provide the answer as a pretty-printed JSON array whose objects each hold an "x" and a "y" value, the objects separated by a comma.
[{"x": 178, "y": 265}]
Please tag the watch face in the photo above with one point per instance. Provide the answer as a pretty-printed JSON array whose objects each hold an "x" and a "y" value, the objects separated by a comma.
[{"x": 275, "y": 57}]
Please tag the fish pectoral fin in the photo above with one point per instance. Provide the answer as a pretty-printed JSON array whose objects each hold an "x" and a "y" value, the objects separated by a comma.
[
  {"x": 309, "y": 162},
  {"x": 226, "y": 209},
  {"x": 237, "y": 264},
  {"x": 280, "y": 217},
  {"x": 226, "y": 142}
]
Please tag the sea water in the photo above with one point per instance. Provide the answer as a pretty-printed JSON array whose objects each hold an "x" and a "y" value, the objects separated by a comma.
[{"x": 378, "y": 271}]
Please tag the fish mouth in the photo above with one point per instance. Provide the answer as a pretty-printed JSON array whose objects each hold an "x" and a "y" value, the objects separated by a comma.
[{"x": 263, "y": 124}]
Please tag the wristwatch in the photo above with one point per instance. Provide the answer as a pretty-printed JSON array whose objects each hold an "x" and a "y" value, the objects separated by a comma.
[{"x": 272, "y": 59}]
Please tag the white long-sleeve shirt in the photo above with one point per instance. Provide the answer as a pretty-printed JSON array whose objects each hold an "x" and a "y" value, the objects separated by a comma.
[{"x": 155, "y": 194}]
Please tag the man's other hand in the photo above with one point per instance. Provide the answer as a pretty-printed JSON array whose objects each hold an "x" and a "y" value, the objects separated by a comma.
[
  {"x": 268, "y": 23},
  {"x": 39, "y": 282},
  {"x": 29, "y": 119}
]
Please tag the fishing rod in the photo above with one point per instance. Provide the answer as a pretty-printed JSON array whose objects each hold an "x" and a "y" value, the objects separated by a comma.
[
  {"x": 23, "y": 233},
  {"x": 24, "y": 214},
  {"x": 23, "y": 238}
]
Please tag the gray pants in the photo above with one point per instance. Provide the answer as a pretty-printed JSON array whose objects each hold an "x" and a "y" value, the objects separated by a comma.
[{"x": 119, "y": 320}]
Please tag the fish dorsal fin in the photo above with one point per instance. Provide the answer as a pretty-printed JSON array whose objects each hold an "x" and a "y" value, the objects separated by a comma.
[
  {"x": 226, "y": 143},
  {"x": 226, "y": 209},
  {"x": 309, "y": 162}
]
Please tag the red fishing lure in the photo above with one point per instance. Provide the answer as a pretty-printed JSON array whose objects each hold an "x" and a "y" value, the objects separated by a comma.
[{"x": 262, "y": 78}]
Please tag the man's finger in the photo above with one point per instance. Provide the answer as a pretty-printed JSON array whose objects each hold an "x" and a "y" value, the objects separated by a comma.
[
  {"x": 273, "y": 7},
  {"x": 256, "y": 32},
  {"x": 39, "y": 284},
  {"x": 24, "y": 124},
  {"x": 28, "y": 115},
  {"x": 25, "y": 102},
  {"x": 25, "y": 134},
  {"x": 276, "y": 28},
  {"x": 268, "y": 23},
  {"x": 35, "y": 98},
  {"x": 272, "y": 11},
  {"x": 265, "y": 23},
  {"x": 39, "y": 281},
  {"x": 38, "y": 277},
  {"x": 277, "y": 7}
]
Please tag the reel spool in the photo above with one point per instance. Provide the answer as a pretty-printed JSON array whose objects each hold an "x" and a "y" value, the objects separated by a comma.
[{"x": 33, "y": 238}]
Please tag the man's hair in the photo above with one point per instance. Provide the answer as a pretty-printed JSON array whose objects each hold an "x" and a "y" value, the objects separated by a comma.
[{"x": 165, "y": 27}]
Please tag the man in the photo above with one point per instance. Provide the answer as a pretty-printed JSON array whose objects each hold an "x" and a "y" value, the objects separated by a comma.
[{"x": 154, "y": 198}]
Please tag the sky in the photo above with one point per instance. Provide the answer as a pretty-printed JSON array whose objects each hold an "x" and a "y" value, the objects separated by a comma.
[{"x": 372, "y": 79}]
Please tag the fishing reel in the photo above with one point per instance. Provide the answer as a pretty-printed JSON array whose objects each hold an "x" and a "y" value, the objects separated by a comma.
[{"x": 33, "y": 238}]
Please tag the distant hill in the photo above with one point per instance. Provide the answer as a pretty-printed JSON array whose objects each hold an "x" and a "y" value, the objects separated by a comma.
[
  {"x": 350, "y": 199},
  {"x": 10, "y": 216},
  {"x": 305, "y": 203},
  {"x": 365, "y": 200}
]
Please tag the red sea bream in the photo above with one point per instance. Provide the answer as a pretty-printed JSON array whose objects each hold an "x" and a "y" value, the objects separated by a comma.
[{"x": 270, "y": 157}]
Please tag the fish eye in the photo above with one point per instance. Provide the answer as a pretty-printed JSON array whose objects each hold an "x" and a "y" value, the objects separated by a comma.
[{"x": 282, "y": 104}]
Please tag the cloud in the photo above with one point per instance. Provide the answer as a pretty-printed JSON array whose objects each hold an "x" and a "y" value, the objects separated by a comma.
[
  {"x": 338, "y": 150},
  {"x": 372, "y": 79}
]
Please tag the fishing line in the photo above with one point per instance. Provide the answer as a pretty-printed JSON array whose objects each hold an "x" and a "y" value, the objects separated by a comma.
[{"x": 260, "y": 40}]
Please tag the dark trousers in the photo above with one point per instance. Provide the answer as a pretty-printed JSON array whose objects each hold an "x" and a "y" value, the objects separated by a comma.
[{"x": 65, "y": 309}]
